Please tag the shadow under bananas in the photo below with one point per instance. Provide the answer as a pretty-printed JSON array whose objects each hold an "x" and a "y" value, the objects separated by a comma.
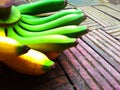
[{"x": 11, "y": 80}]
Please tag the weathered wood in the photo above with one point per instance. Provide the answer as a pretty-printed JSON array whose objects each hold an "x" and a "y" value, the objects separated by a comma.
[
  {"x": 16, "y": 81},
  {"x": 98, "y": 62},
  {"x": 109, "y": 11},
  {"x": 105, "y": 51},
  {"x": 55, "y": 83},
  {"x": 82, "y": 71},
  {"x": 94, "y": 64},
  {"x": 92, "y": 70},
  {"x": 64, "y": 87},
  {"x": 115, "y": 7},
  {"x": 19, "y": 2},
  {"x": 112, "y": 27},
  {"x": 72, "y": 73},
  {"x": 99, "y": 16},
  {"x": 114, "y": 31},
  {"x": 91, "y": 24}
]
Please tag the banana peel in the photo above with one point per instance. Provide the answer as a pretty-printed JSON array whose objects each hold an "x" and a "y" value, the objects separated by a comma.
[
  {"x": 31, "y": 63},
  {"x": 2, "y": 31}
]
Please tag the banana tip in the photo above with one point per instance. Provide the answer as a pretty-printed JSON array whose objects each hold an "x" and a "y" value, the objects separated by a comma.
[
  {"x": 23, "y": 49},
  {"x": 76, "y": 42},
  {"x": 53, "y": 66},
  {"x": 26, "y": 48}
]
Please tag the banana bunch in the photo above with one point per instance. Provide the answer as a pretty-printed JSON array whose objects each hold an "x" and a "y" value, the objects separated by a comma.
[
  {"x": 37, "y": 39},
  {"x": 53, "y": 33},
  {"x": 23, "y": 59}
]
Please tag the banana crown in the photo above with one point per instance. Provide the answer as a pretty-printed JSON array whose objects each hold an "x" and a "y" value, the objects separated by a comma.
[{"x": 15, "y": 15}]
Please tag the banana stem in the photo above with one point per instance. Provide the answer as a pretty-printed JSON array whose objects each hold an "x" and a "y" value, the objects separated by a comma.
[{"x": 5, "y": 8}]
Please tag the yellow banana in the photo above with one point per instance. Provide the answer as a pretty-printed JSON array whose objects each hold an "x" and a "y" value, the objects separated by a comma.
[
  {"x": 9, "y": 46},
  {"x": 31, "y": 63},
  {"x": 2, "y": 31}
]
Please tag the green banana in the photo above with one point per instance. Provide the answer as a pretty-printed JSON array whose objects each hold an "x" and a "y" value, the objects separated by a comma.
[
  {"x": 72, "y": 19},
  {"x": 14, "y": 17},
  {"x": 71, "y": 31},
  {"x": 45, "y": 43},
  {"x": 25, "y": 16},
  {"x": 46, "y": 19},
  {"x": 42, "y": 6}
]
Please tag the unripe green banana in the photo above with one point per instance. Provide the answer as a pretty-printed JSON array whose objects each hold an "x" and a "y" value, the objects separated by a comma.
[
  {"x": 28, "y": 19},
  {"x": 45, "y": 43},
  {"x": 14, "y": 17},
  {"x": 30, "y": 16},
  {"x": 42, "y": 6},
  {"x": 71, "y": 31},
  {"x": 71, "y": 19}
]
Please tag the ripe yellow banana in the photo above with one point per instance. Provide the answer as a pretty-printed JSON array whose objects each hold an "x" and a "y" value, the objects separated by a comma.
[
  {"x": 9, "y": 46},
  {"x": 31, "y": 63},
  {"x": 2, "y": 31}
]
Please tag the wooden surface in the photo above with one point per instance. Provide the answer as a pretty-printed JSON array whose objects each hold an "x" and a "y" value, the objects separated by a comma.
[{"x": 94, "y": 64}]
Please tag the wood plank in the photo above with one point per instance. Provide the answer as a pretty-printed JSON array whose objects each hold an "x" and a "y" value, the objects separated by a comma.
[
  {"x": 114, "y": 31},
  {"x": 57, "y": 83},
  {"x": 65, "y": 87},
  {"x": 91, "y": 24},
  {"x": 91, "y": 70},
  {"x": 112, "y": 27},
  {"x": 98, "y": 62},
  {"x": 82, "y": 71},
  {"x": 106, "y": 52},
  {"x": 108, "y": 11},
  {"x": 11, "y": 80},
  {"x": 41, "y": 85},
  {"x": 71, "y": 72},
  {"x": 99, "y": 16},
  {"x": 115, "y": 7},
  {"x": 19, "y": 2}
]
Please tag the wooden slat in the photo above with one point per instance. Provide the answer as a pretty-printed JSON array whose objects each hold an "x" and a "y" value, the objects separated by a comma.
[
  {"x": 106, "y": 46},
  {"x": 97, "y": 58},
  {"x": 112, "y": 27},
  {"x": 19, "y": 2},
  {"x": 101, "y": 69},
  {"x": 91, "y": 24},
  {"x": 72, "y": 73},
  {"x": 108, "y": 11},
  {"x": 99, "y": 16},
  {"x": 64, "y": 87},
  {"x": 82, "y": 71},
  {"x": 115, "y": 7},
  {"x": 55, "y": 83},
  {"x": 97, "y": 68},
  {"x": 91, "y": 70},
  {"x": 114, "y": 31}
]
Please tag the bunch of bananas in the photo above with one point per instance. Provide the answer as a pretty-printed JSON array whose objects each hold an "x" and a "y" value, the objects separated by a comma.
[{"x": 29, "y": 40}]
